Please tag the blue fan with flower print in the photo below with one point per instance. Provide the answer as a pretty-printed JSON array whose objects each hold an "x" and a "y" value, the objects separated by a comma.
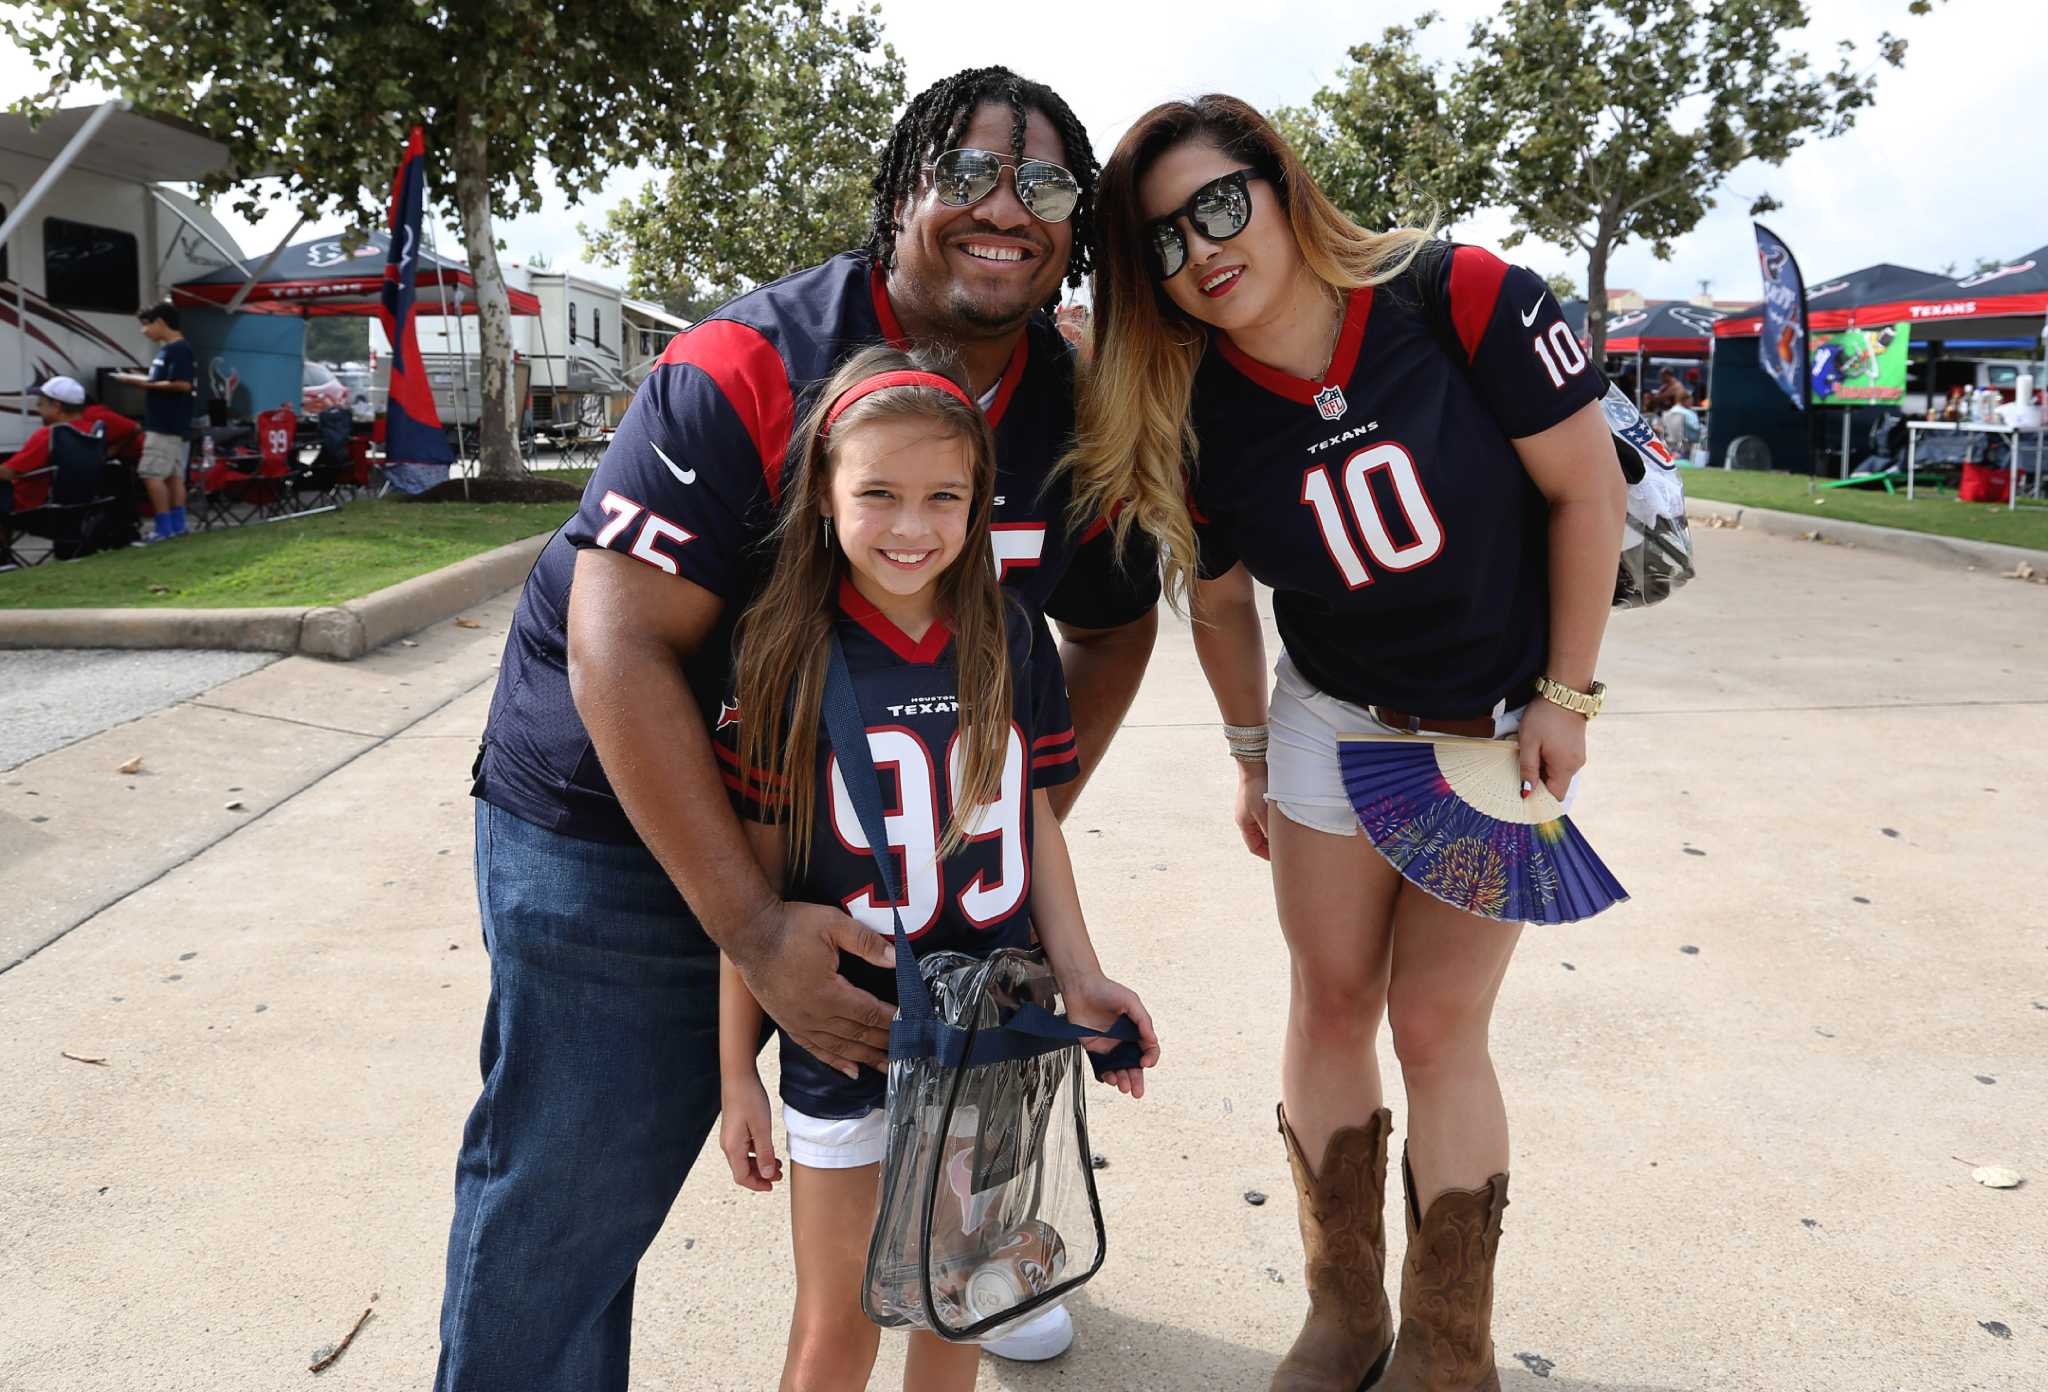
[{"x": 1448, "y": 813}]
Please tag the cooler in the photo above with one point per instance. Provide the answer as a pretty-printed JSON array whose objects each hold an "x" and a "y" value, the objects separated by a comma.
[{"x": 1984, "y": 483}]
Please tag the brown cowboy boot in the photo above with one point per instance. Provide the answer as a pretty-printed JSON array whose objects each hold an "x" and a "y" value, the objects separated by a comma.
[
  {"x": 1349, "y": 1333},
  {"x": 1446, "y": 1342}
]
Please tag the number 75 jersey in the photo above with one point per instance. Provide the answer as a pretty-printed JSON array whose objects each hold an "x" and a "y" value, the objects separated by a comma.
[
  {"x": 977, "y": 899},
  {"x": 1384, "y": 502}
]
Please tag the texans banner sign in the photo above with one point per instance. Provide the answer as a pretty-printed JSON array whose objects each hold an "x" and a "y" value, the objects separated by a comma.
[
  {"x": 1782, "y": 345},
  {"x": 412, "y": 426}
]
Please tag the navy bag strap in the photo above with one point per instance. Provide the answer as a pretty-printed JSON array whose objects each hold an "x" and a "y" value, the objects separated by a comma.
[{"x": 913, "y": 1035}]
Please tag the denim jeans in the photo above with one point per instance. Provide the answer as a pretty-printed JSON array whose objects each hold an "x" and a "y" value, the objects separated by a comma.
[{"x": 600, "y": 1083}]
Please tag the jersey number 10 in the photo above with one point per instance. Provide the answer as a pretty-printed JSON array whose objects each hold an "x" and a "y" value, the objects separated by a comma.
[{"x": 1319, "y": 493}]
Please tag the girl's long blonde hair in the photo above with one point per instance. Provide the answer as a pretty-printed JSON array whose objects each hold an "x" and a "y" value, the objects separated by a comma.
[
  {"x": 1133, "y": 444},
  {"x": 785, "y": 634}
]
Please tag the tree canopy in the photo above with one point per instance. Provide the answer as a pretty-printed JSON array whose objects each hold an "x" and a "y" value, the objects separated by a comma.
[
  {"x": 789, "y": 188},
  {"x": 1593, "y": 122}
]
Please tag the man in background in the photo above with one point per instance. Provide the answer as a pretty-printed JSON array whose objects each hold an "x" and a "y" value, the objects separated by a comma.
[
  {"x": 61, "y": 401},
  {"x": 166, "y": 418}
]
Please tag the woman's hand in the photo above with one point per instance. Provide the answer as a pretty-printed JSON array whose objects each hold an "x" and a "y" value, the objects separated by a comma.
[
  {"x": 1095, "y": 1001},
  {"x": 747, "y": 1135},
  {"x": 1250, "y": 809},
  {"x": 1553, "y": 743}
]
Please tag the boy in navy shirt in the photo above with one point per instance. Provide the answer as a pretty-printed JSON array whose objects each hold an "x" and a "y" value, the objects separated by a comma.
[{"x": 166, "y": 418}]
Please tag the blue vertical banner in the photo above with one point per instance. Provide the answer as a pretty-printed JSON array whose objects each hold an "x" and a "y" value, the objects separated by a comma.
[
  {"x": 1782, "y": 344},
  {"x": 412, "y": 427}
]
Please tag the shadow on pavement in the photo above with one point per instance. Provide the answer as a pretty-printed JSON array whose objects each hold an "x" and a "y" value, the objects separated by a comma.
[{"x": 1114, "y": 1351}]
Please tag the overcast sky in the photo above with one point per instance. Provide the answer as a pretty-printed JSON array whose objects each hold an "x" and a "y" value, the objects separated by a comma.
[{"x": 1946, "y": 167}]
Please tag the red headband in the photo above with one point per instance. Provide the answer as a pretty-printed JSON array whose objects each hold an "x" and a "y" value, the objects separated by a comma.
[{"x": 881, "y": 381}]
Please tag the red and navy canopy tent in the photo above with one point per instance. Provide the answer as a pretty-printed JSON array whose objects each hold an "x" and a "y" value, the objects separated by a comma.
[
  {"x": 2008, "y": 301},
  {"x": 1669, "y": 328},
  {"x": 323, "y": 277}
]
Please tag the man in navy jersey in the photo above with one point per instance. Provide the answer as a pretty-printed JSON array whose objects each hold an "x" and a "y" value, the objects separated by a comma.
[
  {"x": 611, "y": 868},
  {"x": 1409, "y": 488}
]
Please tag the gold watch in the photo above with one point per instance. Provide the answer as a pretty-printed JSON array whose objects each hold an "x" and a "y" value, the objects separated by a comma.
[{"x": 1586, "y": 703}]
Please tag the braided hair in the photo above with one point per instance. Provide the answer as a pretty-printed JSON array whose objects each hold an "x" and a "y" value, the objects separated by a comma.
[{"x": 934, "y": 122}]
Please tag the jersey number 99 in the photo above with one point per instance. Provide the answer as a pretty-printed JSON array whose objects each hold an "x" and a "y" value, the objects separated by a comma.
[{"x": 913, "y": 830}]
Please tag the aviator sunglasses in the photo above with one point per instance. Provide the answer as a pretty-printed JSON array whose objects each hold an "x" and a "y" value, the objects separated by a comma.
[
  {"x": 1219, "y": 210},
  {"x": 965, "y": 177}
]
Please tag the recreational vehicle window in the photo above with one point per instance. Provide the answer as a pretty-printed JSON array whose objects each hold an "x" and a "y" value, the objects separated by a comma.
[
  {"x": 3, "y": 245},
  {"x": 572, "y": 323},
  {"x": 596, "y": 328},
  {"x": 90, "y": 268}
]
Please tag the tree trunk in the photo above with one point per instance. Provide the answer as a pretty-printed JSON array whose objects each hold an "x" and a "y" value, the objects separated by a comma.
[
  {"x": 497, "y": 433},
  {"x": 1596, "y": 301}
]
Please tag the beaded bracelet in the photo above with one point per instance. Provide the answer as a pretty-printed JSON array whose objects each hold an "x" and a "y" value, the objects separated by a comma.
[{"x": 1247, "y": 742}]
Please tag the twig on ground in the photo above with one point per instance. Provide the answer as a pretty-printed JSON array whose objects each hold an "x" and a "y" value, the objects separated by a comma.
[
  {"x": 81, "y": 1058},
  {"x": 322, "y": 1365}
]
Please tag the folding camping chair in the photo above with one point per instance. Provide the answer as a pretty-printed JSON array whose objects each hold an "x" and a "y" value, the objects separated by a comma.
[
  {"x": 260, "y": 493},
  {"x": 80, "y": 515},
  {"x": 323, "y": 479}
]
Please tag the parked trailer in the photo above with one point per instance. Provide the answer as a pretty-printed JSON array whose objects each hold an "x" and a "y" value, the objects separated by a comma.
[{"x": 88, "y": 236}]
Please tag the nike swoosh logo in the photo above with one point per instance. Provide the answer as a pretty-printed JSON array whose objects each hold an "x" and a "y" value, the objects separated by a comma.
[
  {"x": 683, "y": 476},
  {"x": 1530, "y": 317}
]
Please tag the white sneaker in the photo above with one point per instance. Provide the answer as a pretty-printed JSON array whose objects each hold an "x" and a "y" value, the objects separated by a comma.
[{"x": 1047, "y": 1334}]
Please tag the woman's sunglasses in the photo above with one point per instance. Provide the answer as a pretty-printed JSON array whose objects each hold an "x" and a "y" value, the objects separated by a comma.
[
  {"x": 965, "y": 177},
  {"x": 1219, "y": 210}
]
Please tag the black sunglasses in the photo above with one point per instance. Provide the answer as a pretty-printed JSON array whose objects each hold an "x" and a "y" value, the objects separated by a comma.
[
  {"x": 964, "y": 177},
  {"x": 1219, "y": 210}
]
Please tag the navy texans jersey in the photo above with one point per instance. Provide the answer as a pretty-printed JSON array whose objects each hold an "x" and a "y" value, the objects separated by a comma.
[
  {"x": 1405, "y": 544},
  {"x": 689, "y": 486},
  {"x": 975, "y": 900}
]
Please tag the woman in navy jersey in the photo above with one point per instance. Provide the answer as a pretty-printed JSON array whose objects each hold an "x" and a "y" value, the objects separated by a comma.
[
  {"x": 1403, "y": 440},
  {"x": 883, "y": 541}
]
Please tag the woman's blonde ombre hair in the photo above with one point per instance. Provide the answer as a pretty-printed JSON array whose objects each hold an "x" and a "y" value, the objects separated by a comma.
[{"x": 1133, "y": 444}]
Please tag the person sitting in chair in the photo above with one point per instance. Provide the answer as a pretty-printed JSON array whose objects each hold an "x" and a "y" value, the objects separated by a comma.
[{"x": 59, "y": 401}]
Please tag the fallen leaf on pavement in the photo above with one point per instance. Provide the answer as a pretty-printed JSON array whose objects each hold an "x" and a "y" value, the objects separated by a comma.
[
  {"x": 1997, "y": 1177},
  {"x": 234, "y": 806},
  {"x": 81, "y": 1058},
  {"x": 134, "y": 765},
  {"x": 2022, "y": 571},
  {"x": 467, "y": 623},
  {"x": 407, "y": 643}
]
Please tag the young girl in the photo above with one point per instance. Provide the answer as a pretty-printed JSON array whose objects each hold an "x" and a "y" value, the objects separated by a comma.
[{"x": 884, "y": 539}]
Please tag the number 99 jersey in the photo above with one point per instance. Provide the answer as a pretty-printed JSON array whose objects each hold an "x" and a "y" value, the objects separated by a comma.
[
  {"x": 1384, "y": 503},
  {"x": 975, "y": 900}
]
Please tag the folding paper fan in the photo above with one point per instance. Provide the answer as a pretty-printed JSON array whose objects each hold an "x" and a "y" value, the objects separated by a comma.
[{"x": 1449, "y": 814}]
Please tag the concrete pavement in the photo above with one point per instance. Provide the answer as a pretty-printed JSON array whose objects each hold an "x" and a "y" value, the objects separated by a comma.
[{"x": 1733, "y": 1166}]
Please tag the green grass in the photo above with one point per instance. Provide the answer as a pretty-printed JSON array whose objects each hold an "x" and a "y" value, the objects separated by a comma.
[
  {"x": 1929, "y": 511},
  {"x": 325, "y": 559}
]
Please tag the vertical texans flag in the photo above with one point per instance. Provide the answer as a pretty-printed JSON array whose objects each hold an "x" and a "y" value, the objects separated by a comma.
[
  {"x": 412, "y": 427},
  {"x": 1782, "y": 345}
]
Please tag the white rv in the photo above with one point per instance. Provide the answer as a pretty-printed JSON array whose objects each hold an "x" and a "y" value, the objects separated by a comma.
[
  {"x": 88, "y": 236},
  {"x": 577, "y": 347}
]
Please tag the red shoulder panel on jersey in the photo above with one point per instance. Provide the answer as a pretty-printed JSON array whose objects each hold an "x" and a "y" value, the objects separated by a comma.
[
  {"x": 746, "y": 367},
  {"x": 1476, "y": 275}
]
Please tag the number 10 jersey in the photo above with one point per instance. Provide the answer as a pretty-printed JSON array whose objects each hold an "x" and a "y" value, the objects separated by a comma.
[{"x": 1384, "y": 503}]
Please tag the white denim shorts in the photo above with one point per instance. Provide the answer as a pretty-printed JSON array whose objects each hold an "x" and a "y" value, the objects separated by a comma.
[
  {"x": 836, "y": 1143},
  {"x": 1303, "y": 778}
]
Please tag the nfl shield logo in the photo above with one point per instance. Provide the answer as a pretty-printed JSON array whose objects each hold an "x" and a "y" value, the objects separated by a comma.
[{"x": 1330, "y": 401}]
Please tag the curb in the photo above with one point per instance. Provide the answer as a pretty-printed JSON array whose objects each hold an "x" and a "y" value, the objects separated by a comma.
[
  {"x": 342, "y": 632},
  {"x": 1955, "y": 553}
]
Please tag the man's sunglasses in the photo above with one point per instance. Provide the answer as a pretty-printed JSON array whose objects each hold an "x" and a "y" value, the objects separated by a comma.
[
  {"x": 1219, "y": 210},
  {"x": 965, "y": 177}
]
